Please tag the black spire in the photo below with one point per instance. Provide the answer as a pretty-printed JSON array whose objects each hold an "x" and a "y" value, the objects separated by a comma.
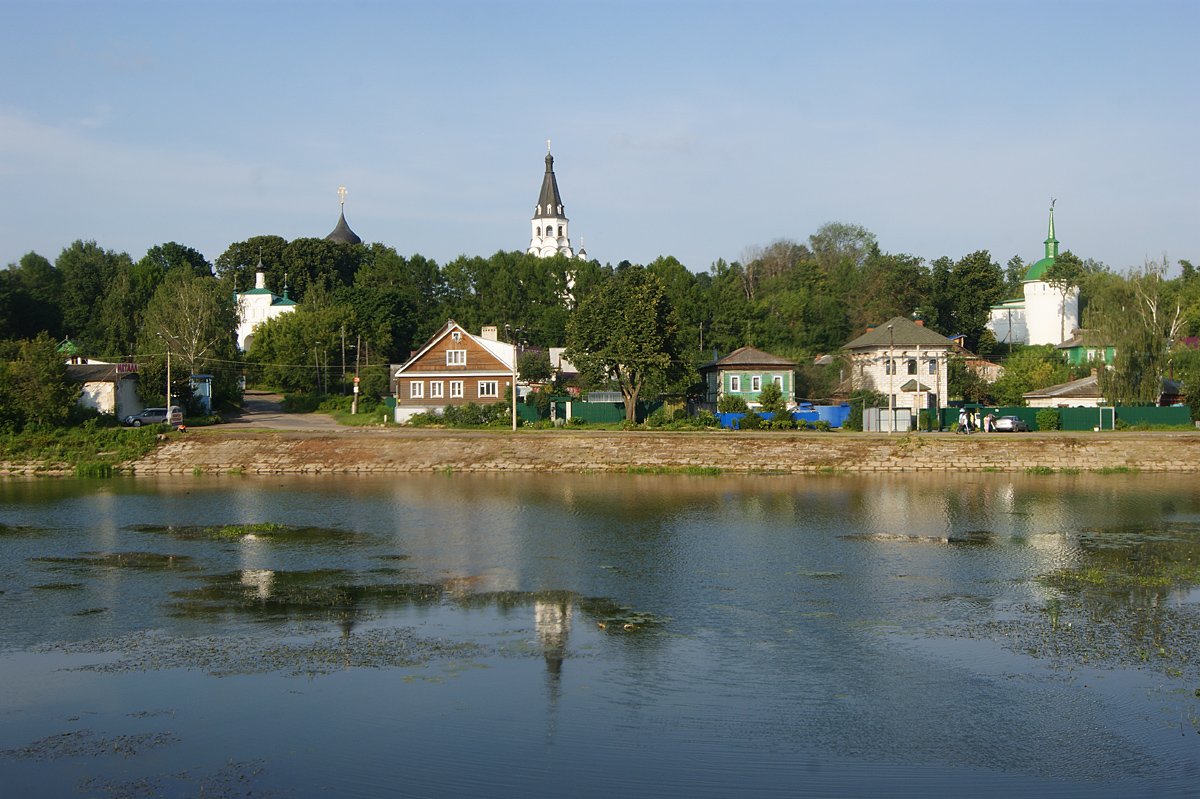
[{"x": 549, "y": 201}]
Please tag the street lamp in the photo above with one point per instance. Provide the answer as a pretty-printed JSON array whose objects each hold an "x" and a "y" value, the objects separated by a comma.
[
  {"x": 891, "y": 367},
  {"x": 167, "y": 344},
  {"x": 513, "y": 393}
]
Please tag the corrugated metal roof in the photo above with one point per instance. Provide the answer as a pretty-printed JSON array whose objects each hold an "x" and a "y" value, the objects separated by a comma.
[
  {"x": 749, "y": 356},
  {"x": 904, "y": 333}
]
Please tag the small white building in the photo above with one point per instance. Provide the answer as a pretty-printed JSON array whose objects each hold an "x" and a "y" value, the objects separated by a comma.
[
  {"x": 1042, "y": 315},
  {"x": 1081, "y": 393},
  {"x": 903, "y": 360},
  {"x": 257, "y": 306},
  {"x": 108, "y": 387}
]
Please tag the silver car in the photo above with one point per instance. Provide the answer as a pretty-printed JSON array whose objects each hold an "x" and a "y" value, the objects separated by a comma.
[
  {"x": 154, "y": 416},
  {"x": 1011, "y": 424}
]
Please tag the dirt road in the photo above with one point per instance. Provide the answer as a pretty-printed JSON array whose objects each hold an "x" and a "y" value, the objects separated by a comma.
[{"x": 263, "y": 411}]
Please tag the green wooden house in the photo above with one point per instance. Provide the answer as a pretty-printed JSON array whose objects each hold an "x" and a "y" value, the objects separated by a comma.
[
  {"x": 1087, "y": 347},
  {"x": 744, "y": 373}
]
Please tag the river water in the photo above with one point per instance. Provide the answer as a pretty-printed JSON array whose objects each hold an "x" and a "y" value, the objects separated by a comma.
[{"x": 567, "y": 635}]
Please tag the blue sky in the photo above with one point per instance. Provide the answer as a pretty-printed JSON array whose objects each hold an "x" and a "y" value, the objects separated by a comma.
[{"x": 694, "y": 129}]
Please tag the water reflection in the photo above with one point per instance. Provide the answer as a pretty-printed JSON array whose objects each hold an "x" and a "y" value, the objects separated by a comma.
[{"x": 842, "y": 633}]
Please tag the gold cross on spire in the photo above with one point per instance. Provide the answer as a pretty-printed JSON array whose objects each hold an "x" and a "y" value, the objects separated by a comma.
[
  {"x": 547, "y": 145},
  {"x": 342, "y": 194}
]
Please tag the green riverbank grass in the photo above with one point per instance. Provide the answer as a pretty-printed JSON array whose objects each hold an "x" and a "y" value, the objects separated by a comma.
[{"x": 89, "y": 450}]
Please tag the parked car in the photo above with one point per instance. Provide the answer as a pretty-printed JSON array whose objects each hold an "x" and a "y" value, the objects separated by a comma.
[
  {"x": 1011, "y": 424},
  {"x": 155, "y": 416}
]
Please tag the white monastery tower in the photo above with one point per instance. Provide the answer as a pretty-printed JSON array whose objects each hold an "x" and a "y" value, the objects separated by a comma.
[
  {"x": 1043, "y": 315},
  {"x": 549, "y": 226}
]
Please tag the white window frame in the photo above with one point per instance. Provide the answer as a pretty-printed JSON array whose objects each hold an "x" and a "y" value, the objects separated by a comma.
[
  {"x": 778, "y": 380},
  {"x": 493, "y": 385},
  {"x": 756, "y": 383},
  {"x": 456, "y": 389},
  {"x": 416, "y": 389},
  {"x": 735, "y": 383},
  {"x": 456, "y": 357},
  {"x": 436, "y": 389}
]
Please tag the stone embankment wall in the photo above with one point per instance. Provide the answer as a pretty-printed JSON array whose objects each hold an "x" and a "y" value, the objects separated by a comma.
[{"x": 380, "y": 451}]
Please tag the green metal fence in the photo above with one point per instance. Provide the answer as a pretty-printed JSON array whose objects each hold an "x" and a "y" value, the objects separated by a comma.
[{"x": 1104, "y": 417}]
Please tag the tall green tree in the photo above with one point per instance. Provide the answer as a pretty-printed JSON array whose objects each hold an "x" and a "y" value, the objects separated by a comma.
[
  {"x": 88, "y": 272},
  {"x": 1029, "y": 368},
  {"x": 1014, "y": 276},
  {"x": 628, "y": 331},
  {"x": 237, "y": 265},
  {"x": 30, "y": 296},
  {"x": 1141, "y": 316},
  {"x": 975, "y": 284},
  {"x": 162, "y": 258},
  {"x": 194, "y": 319},
  {"x": 39, "y": 390},
  {"x": 1064, "y": 275}
]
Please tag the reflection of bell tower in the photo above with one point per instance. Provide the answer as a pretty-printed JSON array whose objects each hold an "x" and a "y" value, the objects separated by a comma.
[{"x": 552, "y": 620}]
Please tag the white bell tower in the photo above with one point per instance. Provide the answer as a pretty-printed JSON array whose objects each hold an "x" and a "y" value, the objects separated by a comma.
[{"x": 549, "y": 226}]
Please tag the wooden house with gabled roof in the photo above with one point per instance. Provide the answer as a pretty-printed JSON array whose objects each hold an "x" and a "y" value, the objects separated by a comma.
[
  {"x": 453, "y": 368},
  {"x": 744, "y": 373}
]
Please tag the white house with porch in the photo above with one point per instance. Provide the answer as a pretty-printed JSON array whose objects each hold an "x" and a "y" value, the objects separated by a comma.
[{"x": 903, "y": 360}]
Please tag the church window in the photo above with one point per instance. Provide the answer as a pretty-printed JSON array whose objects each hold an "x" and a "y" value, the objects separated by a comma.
[
  {"x": 560, "y": 230},
  {"x": 912, "y": 366},
  {"x": 889, "y": 366},
  {"x": 932, "y": 366},
  {"x": 539, "y": 232}
]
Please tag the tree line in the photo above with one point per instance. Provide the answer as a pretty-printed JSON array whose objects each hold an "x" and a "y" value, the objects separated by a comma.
[{"x": 364, "y": 306}]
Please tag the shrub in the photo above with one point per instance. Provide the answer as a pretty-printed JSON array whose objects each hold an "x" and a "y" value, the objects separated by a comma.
[
  {"x": 771, "y": 400},
  {"x": 540, "y": 399},
  {"x": 751, "y": 421},
  {"x": 822, "y": 425},
  {"x": 1048, "y": 419},
  {"x": 704, "y": 419},
  {"x": 781, "y": 422},
  {"x": 731, "y": 403},
  {"x": 658, "y": 419}
]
